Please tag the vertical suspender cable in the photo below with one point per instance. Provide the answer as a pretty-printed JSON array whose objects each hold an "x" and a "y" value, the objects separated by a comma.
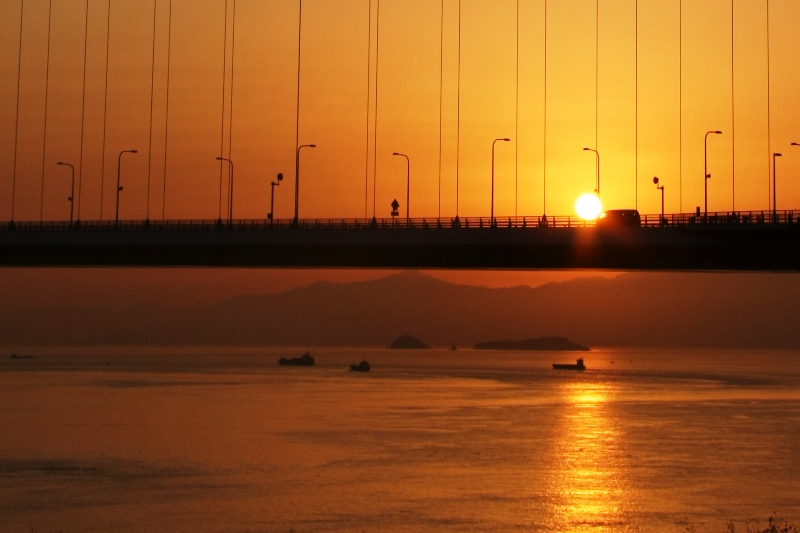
[
  {"x": 544, "y": 132},
  {"x": 297, "y": 109},
  {"x": 375, "y": 128},
  {"x": 637, "y": 106},
  {"x": 516, "y": 127},
  {"x": 769, "y": 129},
  {"x": 596, "y": 70},
  {"x": 230, "y": 115},
  {"x": 150, "y": 131},
  {"x": 733, "y": 120},
  {"x": 458, "y": 100},
  {"x": 16, "y": 120},
  {"x": 441, "y": 84},
  {"x": 83, "y": 107},
  {"x": 46, "y": 95},
  {"x": 166, "y": 118},
  {"x": 222, "y": 126},
  {"x": 105, "y": 109},
  {"x": 680, "y": 105},
  {"x": 366, "y": 155}
]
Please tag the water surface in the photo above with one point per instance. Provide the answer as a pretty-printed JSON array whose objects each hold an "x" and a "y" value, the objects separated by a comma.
[{"x": 223, "y": 439}]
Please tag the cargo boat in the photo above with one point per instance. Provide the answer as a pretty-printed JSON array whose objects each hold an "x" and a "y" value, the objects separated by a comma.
[
  {"x": 577, "y": 366},
  {"x": 303, "y": 360},
  {"x": 363, "y": 366}
]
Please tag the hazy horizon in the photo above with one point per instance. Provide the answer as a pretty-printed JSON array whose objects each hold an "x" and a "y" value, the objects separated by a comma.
[
  {"x": 629, "y": 309},
  {"x": 86, "y": 287}
]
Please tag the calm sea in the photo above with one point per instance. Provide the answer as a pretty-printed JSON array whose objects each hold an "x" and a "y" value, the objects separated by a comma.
[{"x": 212, "y": 440}]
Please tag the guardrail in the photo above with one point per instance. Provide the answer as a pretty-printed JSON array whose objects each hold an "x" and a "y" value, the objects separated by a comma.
[{"x": 539, "y": 222}]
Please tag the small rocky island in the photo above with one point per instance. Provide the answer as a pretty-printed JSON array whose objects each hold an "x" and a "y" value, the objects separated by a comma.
[
  {"x": 407, "y": 342},
  {"x": 560, "y": 344}
]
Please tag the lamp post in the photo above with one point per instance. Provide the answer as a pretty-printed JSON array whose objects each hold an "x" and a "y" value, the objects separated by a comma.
[
  {"x": 71, "y": 191},
  {"x": 119, "y": 188},
  {"x": 271, "y": 215},
  {"x": 706, "y": 175},
  {"x": 795, "y": 144},
  {"x": 230, "y": 186},
  {"x": 408, "y": 186},
  {"x": 775, "y": 155},
  {"x": 504, "y": 139},
  {"x": 297, "y": 181},
  {"x": 661, "y": 188},
  {"x": 597, "y": 171}
]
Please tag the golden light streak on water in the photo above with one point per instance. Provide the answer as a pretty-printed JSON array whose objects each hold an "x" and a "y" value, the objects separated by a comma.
[{"x": 588, "y": 483}]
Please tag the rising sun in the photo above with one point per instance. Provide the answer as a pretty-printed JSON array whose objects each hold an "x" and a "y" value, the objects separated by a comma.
[{"x": 588, "y": 206}]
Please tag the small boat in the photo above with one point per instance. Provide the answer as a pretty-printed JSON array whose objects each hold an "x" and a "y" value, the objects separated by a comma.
[
  {"x": 303, "y": 360},
  {"x": 577, "y": 366},
  {"x": 363, "y": 366},
  {"x": 15, "y": 356}
]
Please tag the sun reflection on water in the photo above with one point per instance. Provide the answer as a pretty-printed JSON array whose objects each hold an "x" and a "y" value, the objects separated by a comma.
[{"x": 588, "y": 479}]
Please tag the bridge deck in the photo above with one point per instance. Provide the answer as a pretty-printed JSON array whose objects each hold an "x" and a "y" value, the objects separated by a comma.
[{"x": 718, "y": 242}]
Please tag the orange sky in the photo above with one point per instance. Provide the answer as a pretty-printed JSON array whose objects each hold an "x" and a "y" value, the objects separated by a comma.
[{"x": 334, "y": 105}]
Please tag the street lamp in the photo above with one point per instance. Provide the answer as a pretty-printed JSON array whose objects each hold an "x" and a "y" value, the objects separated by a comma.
[
  {"x": 230, "y": 186},
  {"x": 795, "y": 144},
  {"x": 661, "y": 188},
  {"x": 71, "y": 191},
  {"x": 775, "y": 155},
  {"x": 408, "y": 185},
  {"x": 119, "y": 188},
  {"x": 597, "y": 171},
  {"x": 270, "y": 216},
  {"x": 504, "y": 139},
  {"x": 297, "y": 180},
  {"x": 706, "y": 175}
]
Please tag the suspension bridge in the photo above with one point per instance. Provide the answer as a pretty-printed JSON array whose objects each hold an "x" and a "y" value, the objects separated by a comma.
[{"x": 725, "y": 240}]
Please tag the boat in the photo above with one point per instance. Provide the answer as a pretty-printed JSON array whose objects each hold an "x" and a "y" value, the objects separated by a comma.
[
  {"x": 15, "y": 356},
  {"x": 303, "y": 360},
  {"x": 363, "y": 366},
  {"x": 577, "y": 366}
]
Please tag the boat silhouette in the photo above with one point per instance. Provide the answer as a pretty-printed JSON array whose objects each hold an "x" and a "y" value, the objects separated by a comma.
[
  {"x": 566, "y": 366},
  {"x": 363, "y": 366},
  {"x": 303, "y": 360}
]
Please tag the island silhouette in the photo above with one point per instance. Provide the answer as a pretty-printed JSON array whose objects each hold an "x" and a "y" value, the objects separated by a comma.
[{"x": 407, "y": 342}]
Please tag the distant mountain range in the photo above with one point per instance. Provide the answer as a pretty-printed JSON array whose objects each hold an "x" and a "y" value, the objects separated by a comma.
[{"x": 653, "y": 309}]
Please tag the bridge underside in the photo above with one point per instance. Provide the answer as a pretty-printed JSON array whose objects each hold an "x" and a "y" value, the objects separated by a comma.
[{"x": 734, "y": 248}]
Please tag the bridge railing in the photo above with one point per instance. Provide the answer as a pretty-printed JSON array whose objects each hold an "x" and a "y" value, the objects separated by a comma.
[
  {"x": 397, "y": 223},
  {"x": 720, "y": 218}
]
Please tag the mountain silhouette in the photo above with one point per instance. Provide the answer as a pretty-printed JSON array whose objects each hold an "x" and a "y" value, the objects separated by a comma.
[{"x": 638, "y": 309}]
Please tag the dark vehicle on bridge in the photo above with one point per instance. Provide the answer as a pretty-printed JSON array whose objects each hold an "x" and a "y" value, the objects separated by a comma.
[{"x": 619, "y": 218}]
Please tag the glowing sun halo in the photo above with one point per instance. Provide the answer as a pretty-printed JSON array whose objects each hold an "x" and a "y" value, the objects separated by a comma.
[{"x": 588, "y": 206}]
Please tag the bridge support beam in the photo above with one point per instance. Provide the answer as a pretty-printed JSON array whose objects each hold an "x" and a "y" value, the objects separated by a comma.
[{"x": 721, "y": 248}]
